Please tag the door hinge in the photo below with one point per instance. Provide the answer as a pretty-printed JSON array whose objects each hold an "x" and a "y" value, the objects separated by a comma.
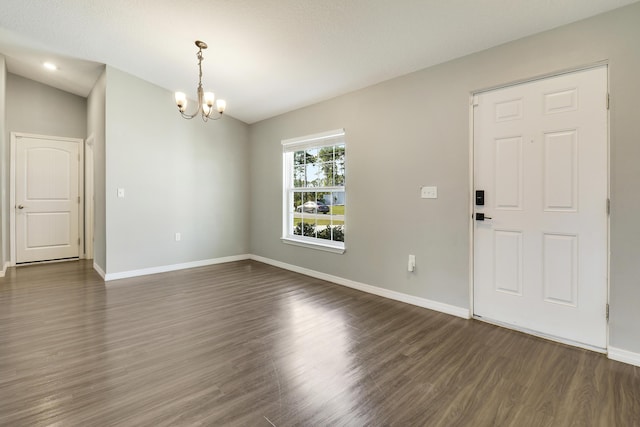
[
  {"x": 475, "y": 100},
  {"x": 607, "y": 311},
  {"x": 78, "y": 241},
  {"x": 608, "y": 100},
  {"x": 78, "y": 199},
  {"x": 608, "y": 206}
]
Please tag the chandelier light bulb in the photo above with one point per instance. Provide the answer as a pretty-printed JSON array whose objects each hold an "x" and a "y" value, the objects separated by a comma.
[
  {"x": 221, "y": 104},
  {"x": 181, "y": 101},
  {"x": 209, "y": 97}
]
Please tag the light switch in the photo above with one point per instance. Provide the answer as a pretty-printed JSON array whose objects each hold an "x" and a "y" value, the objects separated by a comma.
[
  {"x": 429, "y": 192},
  {"x": 121, "y": 193}
]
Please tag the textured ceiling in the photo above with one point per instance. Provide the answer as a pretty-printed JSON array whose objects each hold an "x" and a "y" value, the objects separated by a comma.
[{"x": 265, "y": 57}]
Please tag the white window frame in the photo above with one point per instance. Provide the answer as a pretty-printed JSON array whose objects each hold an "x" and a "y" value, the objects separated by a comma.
[{"x": 289, "y": 147}]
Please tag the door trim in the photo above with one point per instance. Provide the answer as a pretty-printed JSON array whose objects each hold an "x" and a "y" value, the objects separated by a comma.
[
  {"x": 557, "y": 73},
  {"x": 12, "y": 188},
  {"x": 471, "y": 207},
  {"x": 471, "y": 204},
  {"x": 89, "y": 207}
]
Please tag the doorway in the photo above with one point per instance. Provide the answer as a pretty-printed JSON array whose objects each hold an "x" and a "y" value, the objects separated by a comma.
[{"x": 540, "y": 228}]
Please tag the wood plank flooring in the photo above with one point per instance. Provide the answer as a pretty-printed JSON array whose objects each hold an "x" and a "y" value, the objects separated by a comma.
[{"x": 247, "y": 344}]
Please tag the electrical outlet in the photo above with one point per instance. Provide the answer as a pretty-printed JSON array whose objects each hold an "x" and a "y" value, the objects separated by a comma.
[{"x": 429, "y": 192}]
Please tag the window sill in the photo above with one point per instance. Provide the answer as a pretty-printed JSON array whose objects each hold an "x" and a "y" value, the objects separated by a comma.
[{"x": 313, "y": 245}]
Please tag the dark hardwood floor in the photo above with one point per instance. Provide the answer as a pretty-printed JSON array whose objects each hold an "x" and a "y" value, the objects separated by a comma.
[{"x": 248, "y": 344}]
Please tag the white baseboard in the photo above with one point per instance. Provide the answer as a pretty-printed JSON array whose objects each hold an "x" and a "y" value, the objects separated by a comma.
[
  {"x": 4, "y": 268},
  {"x": 624, "y": 356},
  {"x": 164, "y": 268},
  {"x": 386, "y": 293}
]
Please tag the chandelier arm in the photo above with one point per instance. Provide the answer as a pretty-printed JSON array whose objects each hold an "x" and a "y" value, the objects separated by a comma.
[
  {"x": 211, "y": 116},
  {"x": 189, "y": 116}
]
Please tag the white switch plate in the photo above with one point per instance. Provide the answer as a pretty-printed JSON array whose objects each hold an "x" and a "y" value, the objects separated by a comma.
[
  {"x": 178, "y": 237},
  {"x": 121, "y": 193},
  {"x": 429, "y": 192}
]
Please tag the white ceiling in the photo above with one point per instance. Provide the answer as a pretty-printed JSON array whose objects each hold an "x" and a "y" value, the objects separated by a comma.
[{"x": 265, "y": 57}]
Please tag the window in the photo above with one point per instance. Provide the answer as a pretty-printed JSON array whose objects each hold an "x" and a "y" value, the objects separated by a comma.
[{"x": 314, "y": 191}]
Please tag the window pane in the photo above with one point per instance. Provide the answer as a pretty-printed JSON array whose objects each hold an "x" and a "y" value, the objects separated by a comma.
[
  {"x": 298, "y": 158},
  {"x": 297, "y": 224},
  {"x": 325, "y": 154},
  {"x": 309, "y": 227},
  {"x": 339, "y": 165},
  {"x": 297, "y": 200},
  {"x": 299, "y": 176},
  {"x": 338, "y": 203},
  {"x": 313, "y": 175},
  {"x": 311, "y": 155},
  {"x": 324, "y": 232},
  {"x": 326, "y": 159},
  {"x": 325, "y": 174},
  {"x": 326, "y": 197},
  {"x": 323, "y": 204},
  {"x": 337, "y": 233}
]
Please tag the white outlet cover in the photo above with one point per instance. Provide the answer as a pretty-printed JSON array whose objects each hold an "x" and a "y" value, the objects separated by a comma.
[
  {"x": 429, "y": 192},
  {"x": 121, "y": 193}
]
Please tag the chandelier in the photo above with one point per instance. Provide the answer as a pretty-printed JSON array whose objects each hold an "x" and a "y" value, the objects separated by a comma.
[{"x": 206, "y": 100}]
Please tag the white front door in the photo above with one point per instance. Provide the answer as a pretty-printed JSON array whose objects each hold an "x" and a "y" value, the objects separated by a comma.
[
  {"x": 540, "y": 255},
  {"x": 47, "y": 198}
]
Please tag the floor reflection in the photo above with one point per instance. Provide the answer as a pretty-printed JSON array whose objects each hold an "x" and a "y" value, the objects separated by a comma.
[{"x": 319, "y": 364}]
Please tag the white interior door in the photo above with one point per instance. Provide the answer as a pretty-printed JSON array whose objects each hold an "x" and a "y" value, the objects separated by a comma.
[
  {"x": 540, "y": 255},
  {"x": 47, "y": 199}
]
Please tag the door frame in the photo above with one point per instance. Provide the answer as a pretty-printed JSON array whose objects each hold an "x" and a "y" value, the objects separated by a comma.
[
  {"x": 12, "y": 188},
  {"x": 471, "y": 205},
  {"x": 89, "y": 206}
]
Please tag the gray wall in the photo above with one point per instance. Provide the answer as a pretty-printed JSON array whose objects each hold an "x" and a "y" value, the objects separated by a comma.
[
  {"x": 179, "y": 176},
  {"x": 41, "y": 109},
  {"x": 4, "y": 170},
  {"x": 414, "y": 131},
  {"x": 96, "y": 128}
]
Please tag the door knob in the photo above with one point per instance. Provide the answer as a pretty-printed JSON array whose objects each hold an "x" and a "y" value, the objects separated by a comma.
[
  {"x": 20, "y": 207},
  {"x": 480, "y": 217}
]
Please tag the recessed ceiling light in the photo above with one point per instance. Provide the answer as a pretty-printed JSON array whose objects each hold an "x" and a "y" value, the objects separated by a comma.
[{"x": 50, "y": 66}]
